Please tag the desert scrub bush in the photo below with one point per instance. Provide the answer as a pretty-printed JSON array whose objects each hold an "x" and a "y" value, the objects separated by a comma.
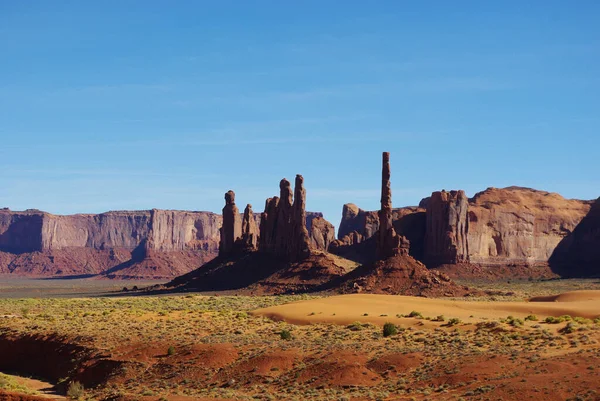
[
  {"x": 556, "y": 320},
  {"x": 389, "y": 329},
  {"x": 355, "y": 326},
  {"x": 532, "y": 318},
  {"x": 285, "y": 335},
  {"x": 75, "y": 390},
  {"x": 8, "y": 383},
  {"x": 569, "y": 328},
  {"x": 415, "y": 314},
  {"x": 439, "y": 318},
  {"x": 453, "y": 321},
  {"x": 582, "y": 320},
  {"x": 171, "y": 350},
  {"x": 513, "y": 321}
]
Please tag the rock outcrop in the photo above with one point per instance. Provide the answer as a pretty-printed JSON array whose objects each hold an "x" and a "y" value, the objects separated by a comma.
[
  {"x": 365, "y": 223},
  {"x": 578, "y": 254},
  {"x": 322, "y": 234},
  {"x": 42, "y": 244},
  {"x": 519, "y": 226},
  {"x": 283, "y": 223},
  {"x": 389, "y": 243},
  {"x": 231, "y": 230},
  {"x": 446, "y": 229},
  {"x": 249, "y": 230}
]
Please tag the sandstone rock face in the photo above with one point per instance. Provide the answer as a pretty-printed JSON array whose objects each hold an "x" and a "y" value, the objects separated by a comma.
[
  {"x": 322, "y": 234},
  {"x": 249, "y": 230},
  {"x": 35, "y": 242},
  {"x": 355, "y": 219},
  {"x": 388, "y": 242},
  {"x": 504, "y": 227},
  {"x": 21, "y": 232},
  {"x": 300, "y": 243},
  {"x": 358, "y": 224},
  {"x": 268, "y": 225},
  {"x": 283, "y": 224},
  {"x": 446, "y": 229},
  {"x": 578, "y": 254},
  {"x": 171, "y": 230},
  {"x": 519, "y": 226},
  {"x": 232, "y": 226}
]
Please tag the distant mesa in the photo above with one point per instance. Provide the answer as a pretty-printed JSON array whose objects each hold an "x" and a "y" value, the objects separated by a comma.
[{"x": 512, "y": 232}]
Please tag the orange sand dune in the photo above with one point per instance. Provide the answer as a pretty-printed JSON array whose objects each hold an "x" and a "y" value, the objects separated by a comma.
[
  {"x": 378, "y": 309},
  {"x": 571, "y": 296}
]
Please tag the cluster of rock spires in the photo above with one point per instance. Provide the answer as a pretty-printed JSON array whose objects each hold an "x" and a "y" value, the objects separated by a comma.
[
  {"x": 283, "y": 229},
  {"x": 514, "y": 227}
]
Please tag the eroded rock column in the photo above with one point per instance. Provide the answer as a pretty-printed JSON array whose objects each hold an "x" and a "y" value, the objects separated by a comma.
[
  {"x": 232, "y": 226},
  {"x": 388, "y": 242},
  {"x": 446, "y": 229},
  {"x": 249, "y": 230}
]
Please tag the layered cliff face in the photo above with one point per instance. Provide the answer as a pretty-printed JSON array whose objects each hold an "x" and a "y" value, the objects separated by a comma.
[
  {"x": 170, "y": 242},
  {"x": 519, "y": 226},
  {"x": 579, "y": 252},
  {"x": 446, "y": 229},
  {"x": 359, "y": 225},
  {"x": 148, "y": 243},
  {"x": 498, "y": 227}
]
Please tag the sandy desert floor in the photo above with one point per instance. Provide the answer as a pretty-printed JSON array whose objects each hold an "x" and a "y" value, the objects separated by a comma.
[{"x": 212, "y": 346}]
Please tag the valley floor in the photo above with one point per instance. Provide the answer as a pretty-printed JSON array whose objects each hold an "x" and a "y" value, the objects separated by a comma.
[{"x": 315, "y": 347}]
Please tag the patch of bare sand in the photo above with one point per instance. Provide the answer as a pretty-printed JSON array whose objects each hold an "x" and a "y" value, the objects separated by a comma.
[
  {"x": 571, "y": 296},
  {"x": 378, "y": 309}
]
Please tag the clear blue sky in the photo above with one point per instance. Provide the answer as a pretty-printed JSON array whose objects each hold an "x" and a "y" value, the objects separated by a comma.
[{"x": 110, "y": 105}]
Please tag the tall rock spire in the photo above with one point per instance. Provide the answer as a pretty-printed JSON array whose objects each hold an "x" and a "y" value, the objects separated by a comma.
[
  {"x": 249, "y": 230},
  {"x": 232, "y": 226},
  {"x": 388, "y": 242},
  {"x": 299, "y": 246}
]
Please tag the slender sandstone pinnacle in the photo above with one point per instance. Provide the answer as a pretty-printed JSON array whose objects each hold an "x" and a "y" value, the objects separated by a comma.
[
  {"x": 299, "y": 246},
  {"x": 249, "y": 230},
  {"x": 388, "y": 242},
  {"x": 284, "y": 218},
  {"x": 232, "y": 227}
]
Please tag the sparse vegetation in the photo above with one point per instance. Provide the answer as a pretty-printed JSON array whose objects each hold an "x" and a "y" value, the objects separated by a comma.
[
  {"x": 389, "y": 329},
  {"x": 196, "y": 326},
  {"x": 75, "y": 390}
]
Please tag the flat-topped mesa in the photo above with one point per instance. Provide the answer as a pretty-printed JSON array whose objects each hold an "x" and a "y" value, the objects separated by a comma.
[
  {"x": 232, "y": 227},
  {"x": 446, "y": 232},
  {"x": 389, "y": 243},
  {"x": 249, "y": 230}
]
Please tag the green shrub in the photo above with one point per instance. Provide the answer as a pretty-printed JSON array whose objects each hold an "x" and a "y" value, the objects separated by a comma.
[
  {"x": 453, "y": 321},
  {"x": 440, "y": 318},
  {"x": 569, "y": 328},
  {"x": 532, "y": 318},
  {"x": 171, "y": 350},
  {"x": 389, "y": 329},
  {"x": 513, "y": 321},
  {"x": 355, "y": 326},
  {"x": 75, "y": 390},
  {"x": 285, "y": 335},
  {"x": 416, "y": 314}
]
